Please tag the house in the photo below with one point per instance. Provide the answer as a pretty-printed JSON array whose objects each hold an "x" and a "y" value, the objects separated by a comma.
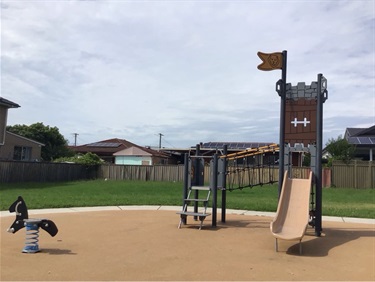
[
  {"x": 19, "y": 148},
  {"x": 138, "y": 156},
  {"x": 4, "y": 106},
  {"x": 121, "y": 151},
  {"x": 364, "y": 141},
  {"x": 13, "y": 146}
]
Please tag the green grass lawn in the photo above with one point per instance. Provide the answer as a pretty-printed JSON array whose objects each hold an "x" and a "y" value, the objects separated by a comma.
[{"x": 336, "y": 201}]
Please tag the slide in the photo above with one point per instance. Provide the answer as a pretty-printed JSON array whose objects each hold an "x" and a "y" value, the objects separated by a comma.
[{"x": 292, "y": 215}]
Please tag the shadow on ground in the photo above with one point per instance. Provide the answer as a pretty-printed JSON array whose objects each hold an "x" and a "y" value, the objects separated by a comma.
[
  {"x": 57, "y": 251},
  {"x": 330, "y": 239},
  {"x": 228, "y": 224}
]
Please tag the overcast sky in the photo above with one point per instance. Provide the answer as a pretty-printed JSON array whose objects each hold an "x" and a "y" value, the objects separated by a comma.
[{"x": 186, "y": 69}]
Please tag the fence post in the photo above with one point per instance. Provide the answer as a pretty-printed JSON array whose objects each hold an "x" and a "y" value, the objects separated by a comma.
[
  {"x": 355, "y": 175},
  {"x": 370, "y": 177}
]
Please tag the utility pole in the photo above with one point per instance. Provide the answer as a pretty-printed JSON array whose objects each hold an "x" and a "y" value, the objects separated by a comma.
[
  {"x": 160, "y": 135},
  {"x": 75, "y": 138}
]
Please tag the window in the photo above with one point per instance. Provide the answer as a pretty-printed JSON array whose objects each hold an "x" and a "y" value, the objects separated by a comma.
[{"x": 22, "y": 153}]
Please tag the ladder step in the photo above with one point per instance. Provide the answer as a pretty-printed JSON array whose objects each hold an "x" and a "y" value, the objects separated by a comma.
[
  {"x": 196, "y": 200},
  {"x": 202, "y": 188},
  {"x": 194, "y": 213}
]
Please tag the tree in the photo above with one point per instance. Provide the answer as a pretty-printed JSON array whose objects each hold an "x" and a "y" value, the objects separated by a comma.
[
  {"x": 86, "y": 159},
  {"x": 55, "y": 145},
  {"x": 306, "y": 160},
  {"x": 340, "y": 149}
]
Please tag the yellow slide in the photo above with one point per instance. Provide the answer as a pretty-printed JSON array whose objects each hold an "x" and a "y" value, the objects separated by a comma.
[{"x": 292, "y": 215}]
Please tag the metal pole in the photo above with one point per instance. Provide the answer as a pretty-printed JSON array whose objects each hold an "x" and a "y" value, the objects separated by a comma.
[
  {"x": 197, "y": 176},
  {"x": 75, "y": 138},
  {"x": 214, "y": 191},
  {"x": 160, "y": 135},
  {"x": 224, "y": 188},
  {"x": 186, "y": 182},
  {"x": 282, "y": 123},
  {"x": 318, "y": 160}
]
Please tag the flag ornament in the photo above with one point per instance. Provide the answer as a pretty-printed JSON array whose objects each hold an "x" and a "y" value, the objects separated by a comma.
[{"x": 271, "y": 61}]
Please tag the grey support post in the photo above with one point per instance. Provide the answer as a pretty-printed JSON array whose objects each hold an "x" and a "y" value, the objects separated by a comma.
[
  {"x": 321, "y": 97},
  {"x": 186, "y": 182},
  {"x": 197, "y": 177},
  {"x": 223, "y": 177},
  {"x": 214, "y": 190},
  {"x": 282, "y": 92}
]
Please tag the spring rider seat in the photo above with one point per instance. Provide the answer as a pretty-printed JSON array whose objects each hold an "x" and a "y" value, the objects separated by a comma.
[{"x": 32, "y": 226}]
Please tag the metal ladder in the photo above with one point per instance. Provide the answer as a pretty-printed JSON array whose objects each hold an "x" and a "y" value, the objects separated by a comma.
[{"x": 190, "y": 202}]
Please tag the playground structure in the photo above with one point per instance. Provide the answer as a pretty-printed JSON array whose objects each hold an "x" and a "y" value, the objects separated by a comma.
[
  {"x": 250, "y": 168},
  {"x": 228, "y": 172},
  {"x": 32, "y": 226},
  {"x": 301, "y": 130}
]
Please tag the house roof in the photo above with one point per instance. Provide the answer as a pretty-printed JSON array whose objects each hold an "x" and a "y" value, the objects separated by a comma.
[
  {"x": 367, "y": 132},
  {"x": 104, "y": 147},
  {"x": 361, "y": 136},
  {"x": 111, "y": 146},
  {"x": 9, "y": 104},
  {"x": 24, "y": 138},
  {"x": 132, "y": 151}
]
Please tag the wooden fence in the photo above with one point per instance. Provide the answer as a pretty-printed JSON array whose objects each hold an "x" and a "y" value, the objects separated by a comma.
[
  {"x": 13, "y": 171},
  {"x": 175, "y": 173},
  {"x": 355, "y": 175},
  {"x": 144, "y": 173}
]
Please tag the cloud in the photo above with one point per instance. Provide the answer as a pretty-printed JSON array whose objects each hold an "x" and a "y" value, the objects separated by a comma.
[{"x": 187, "y": 69}]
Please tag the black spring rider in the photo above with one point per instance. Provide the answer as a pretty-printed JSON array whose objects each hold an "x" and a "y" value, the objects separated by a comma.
[{"x": 32, "y": 226}]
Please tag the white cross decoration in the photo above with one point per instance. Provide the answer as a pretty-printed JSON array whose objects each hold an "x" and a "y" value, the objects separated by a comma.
[{"x": 304, "y": 122}]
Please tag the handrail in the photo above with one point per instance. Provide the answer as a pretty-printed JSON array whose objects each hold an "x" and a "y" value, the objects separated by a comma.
[{"x": 251, "y": 152}]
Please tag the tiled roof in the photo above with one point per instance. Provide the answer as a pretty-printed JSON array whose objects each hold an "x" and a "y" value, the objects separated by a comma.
[
  {"x": 111, "y": 146},
  {"x": 367, "y": 132},
  {"x": 21, "y": 137},
  {"x": 353, "y": 131},
  {"x": 106, "y": 147}
]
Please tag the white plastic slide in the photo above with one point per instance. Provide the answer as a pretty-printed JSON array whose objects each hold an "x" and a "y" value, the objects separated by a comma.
[{"x": 292, "y": 215}]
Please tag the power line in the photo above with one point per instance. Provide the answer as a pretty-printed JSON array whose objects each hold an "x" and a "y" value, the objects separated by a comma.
[{"x": 169, "y": 143}]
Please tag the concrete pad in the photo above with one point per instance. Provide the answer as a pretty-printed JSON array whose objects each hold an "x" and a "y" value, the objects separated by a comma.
[
  {"x": 257, "y": 213},
  {"x": 38, "y": 212},
  {"x": 141, "y": 208},
  {"x": 5, "y": 214},
  {"x": 170, "y": 208},
  {"x": 230, "y": 211},
  {"x": 358, "y": 220},
  {"x": 332, "y": 218},
  {"x": 91, "y": 209}
]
